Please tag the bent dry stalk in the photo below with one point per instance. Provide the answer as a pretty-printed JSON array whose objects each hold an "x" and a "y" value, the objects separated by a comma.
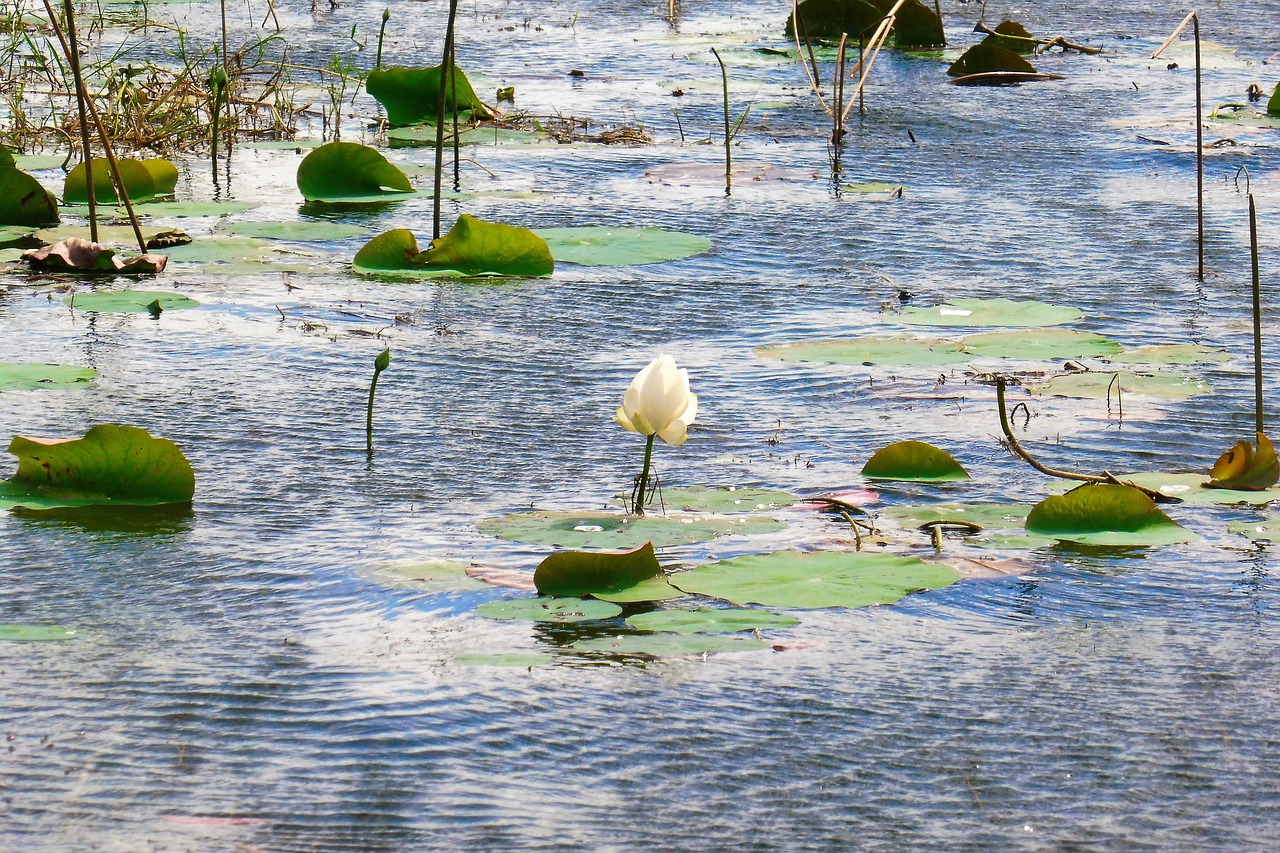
[{"x": 381, "y": 363}]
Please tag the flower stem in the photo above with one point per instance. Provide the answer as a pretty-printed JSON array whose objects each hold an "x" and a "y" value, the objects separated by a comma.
[
  {"x": 642, "y": 486},
  {"x": 381, "y": 363}
]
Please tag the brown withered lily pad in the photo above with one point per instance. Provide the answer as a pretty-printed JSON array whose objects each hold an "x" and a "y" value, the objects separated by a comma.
[{"x": 77, "y": 255}]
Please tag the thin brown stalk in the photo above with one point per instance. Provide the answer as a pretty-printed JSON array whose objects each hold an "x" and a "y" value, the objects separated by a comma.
[
  {"x": 811, "y": 73},
  {"x": 445, "y": 64},
  {"x": 74, "y": 59}
]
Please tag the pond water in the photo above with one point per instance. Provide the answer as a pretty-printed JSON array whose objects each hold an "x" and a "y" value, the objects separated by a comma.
[{"x": 246, "y": 679}]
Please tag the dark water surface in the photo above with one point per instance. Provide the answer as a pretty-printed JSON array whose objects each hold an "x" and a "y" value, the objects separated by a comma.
[{"x": 243, "y": 685}]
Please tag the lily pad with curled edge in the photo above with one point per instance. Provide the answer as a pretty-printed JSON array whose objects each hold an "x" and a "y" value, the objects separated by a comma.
[
  {"x": 1040, "y": 344},
  {"x": 816, "y": 579},
  {"x": 1244, "y": 468},
  {"x": 111, "y": 465},
  {"x": 669, "y": 645},
  {"x": 36, "y": 633},
  {"x": 578, "y": 573},
  {"x": 617, "y": 531},
  {"x": 989, "y": 312},
  {"x": 710, "y": 620},
  {"x": 1106, "y": 514},
  {"x": 543, "y": 609},
  {"x": 130, "y": 301},
  {"x": 23, "y": 376},
  {"x": 1097, "y": 385},
  {"x": 476, "y": 247},
  {"x": 412, "y": 95},
  {"x": 913, "y": 461},
  {"x": 619, "y": 247},
  {"x": 1170, "y": 354},
  {"x": 726, "y": 499},
  {"x": 653, "y": 589},
  {"x": 429, "y": 575},
  {"x": 350, "y": 173},
  {"x": 76, "y": 256},
  {"x": 320, "y": 232},
  {"x": 889, "y": 351}
]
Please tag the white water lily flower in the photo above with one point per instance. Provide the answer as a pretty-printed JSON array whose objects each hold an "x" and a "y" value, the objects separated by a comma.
[{"x": 658, "y": 402}]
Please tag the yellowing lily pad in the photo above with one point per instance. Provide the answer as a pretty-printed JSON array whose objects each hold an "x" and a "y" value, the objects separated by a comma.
[
  {"x": 990, "y": 312},
  {"x": 1106, "y": 514},
  {"x": 1243, "y": 468},
  {"x": 617, "y": 531},
  {"x": 541, "y": 609},
  {"x": 1040, "y": 344},
  {"x": 620, "y": 247},
  {"x": 893, "y": 351},
  {"x": 36, "y": 633},
  {"x": 915, "y": 461},
  {"x": 110, "y": 465},
  {"x": 669, "y": 645},
  {"x": 816, "y": 579},
  {"x": 710, "y": 620},
  {"x": 412, "y": 95},
  {"x": 578, "y": 573},
  {"x": 1097, "y": 384},
  {"x": 130, "y": 301},
  {"x": 22, "y": 376}
]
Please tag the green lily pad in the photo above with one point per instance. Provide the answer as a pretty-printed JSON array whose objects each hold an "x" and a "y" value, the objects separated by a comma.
[
  {"x": 726, "y": 499},
  {"x": 412, "y": 95},
  {"x": 986, "y": 515},
  {"x": 425, "y": 134},
  {"x": 349, "y": 172},
  {"x": 873, "y": 188},
  {"x": 578, "y": 573},
  {"x": 195, "y": 209},
  {"x": 1105, "y": 514},
  {"x": 710, "y": 620},
  {"x": 1095, "y": 385},
  {"x": 986, "y": 58},
  {"x": 320, "y": 232},
  {"x": 1190, "y": 488},
  {"x": 23, "y": 201},
  {"x": 390, "y": 250},
  {"x": 22, "y": 376},
  {"x": 431, "y": 575},
  {"x": 130, "y": 301},
  {"x": 221, "y": 250},
  {"x": 670, "y": 645},
  {"x": 1170, "y": 354},
  {"x": 653, "y": 589},
  {"x": 38, "y": 162},
  {"x": 36, "y": 633},
  {"x": 617, "y": 531},
  {"x": 110, "y": 465},
  {"x": 1039, "y": 344},
  {"x": 476, "y": 247},
  {"x": 892, "y": 351},
  {"x": 1273, "y": 103},
  {"x": 1266, "y": 530},
  {"x": 816, "y": 579},
  {"x": 989, "y": 312},
  {"x": 620, "y": 247},
  {"x": 913, "y": 461},
  {"x": 143, "y": 180},
  {"x": 518, "y": 660},
  {"x": 559, "y": 610},
  {"x": 121, "y": 236}
]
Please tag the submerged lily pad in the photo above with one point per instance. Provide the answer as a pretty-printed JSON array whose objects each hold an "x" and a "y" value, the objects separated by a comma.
[
  {"x": 110, "y": 465},
  {"x": 1170, "y": 354},
  {"x": 36, "y": 633},
  {"x": 1105, "y": 514},
  {"x": 349, "y": 172},
  {"x": 130, "y": 301},
  {"x": 559, "y": 610},
  {"x": 620, "y": 247},
  {"x": 23, "y": 376},
  {"x": 617, "y": 531},
  {"x": 987, "y": 57},
  {"x": 816, "y": 579},
  {"x": 578, "y": 573},
  {"x": 710, "y": 620},
  {"x": 891, "y": 350},
  {"x": 913, "y": 461},
  {"x": 321, "y": 232},
  {"x": 670, "y": 645},
  {"x": 725, "y": 500},
  {"x": 1097, "y": 385},
  {"x": 989, "y": 312},
  {"x": 1040, "y": 344}
]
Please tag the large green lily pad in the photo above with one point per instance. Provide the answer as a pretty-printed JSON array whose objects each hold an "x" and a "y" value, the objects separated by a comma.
[
  {"x": 989, "y": 312},
  {"x": 986, "y": 515},
  {"x": 1040, "y": 344},
  {"x": 143, "y": 180},
  {"x": 578, "y": 573},
  {"x": 541, "y": 609},
  {"x": 1170, "y": 354},
  {"x": 110, "y": 465},
  {"x": 320, "y": 232},
  {"x": 1097, "y": 385},
  {"x": 130, "y": 301},
  {"x": 670, "y": 645},
  {"x": 710, "y": 620},
  {"x": 913, "y": 461},
  {"x": 620, "y": 247},
  {"x": 36, "y": 633},
  {"x": 476, "y": 247},
  {"x": 725, "y": 499},
  {"x": 23, "y": 376},
  {"x": 23, "y": 201},
  {"x": 412, "y": 95},
  {"x": 617, "y": 531},
  {"x": 222, "y": 250},
  {"x": 1105, "y": 514},
  {"x": 892, "y": 351},
  {"x": 348, "y": 172},
  {"x": 816, "y": 579}
]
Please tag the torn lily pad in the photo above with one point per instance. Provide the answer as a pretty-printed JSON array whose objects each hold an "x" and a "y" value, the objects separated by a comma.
[
  {"x": 75, "y": 255},
  {"x": 1106, "y": 514}
]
